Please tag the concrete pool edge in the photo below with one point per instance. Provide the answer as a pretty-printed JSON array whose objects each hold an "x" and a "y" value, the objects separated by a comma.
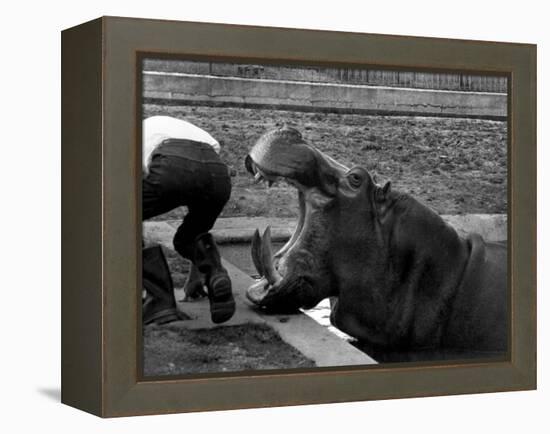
[{"x": 228, "y": 230}]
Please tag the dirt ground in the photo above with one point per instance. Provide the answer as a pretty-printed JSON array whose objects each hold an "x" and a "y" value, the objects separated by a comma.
[
  {"x": 172, "y": 350},
  {"x": 453, "y": 165}
]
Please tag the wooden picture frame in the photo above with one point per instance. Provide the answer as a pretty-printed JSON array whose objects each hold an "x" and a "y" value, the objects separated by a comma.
[{"x": 101, "y": 227}]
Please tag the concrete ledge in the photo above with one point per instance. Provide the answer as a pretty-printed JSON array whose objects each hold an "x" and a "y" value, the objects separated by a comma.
[
  {"x": 492, "y": 227},
  {"x": 188, "y": 88}
]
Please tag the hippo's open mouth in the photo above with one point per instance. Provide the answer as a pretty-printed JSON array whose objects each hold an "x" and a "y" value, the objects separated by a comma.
[{"x": 295, "y": 276}]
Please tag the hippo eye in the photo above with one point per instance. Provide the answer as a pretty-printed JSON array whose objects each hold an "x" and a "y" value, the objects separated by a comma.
[{"x": 355, "y": 180}]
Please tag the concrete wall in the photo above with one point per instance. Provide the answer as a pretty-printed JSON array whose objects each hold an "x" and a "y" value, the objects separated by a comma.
[
  {"x": 188, "y": 88},
  {"x": 492, "y": 227},
  {"x": 343, "y": 75}
]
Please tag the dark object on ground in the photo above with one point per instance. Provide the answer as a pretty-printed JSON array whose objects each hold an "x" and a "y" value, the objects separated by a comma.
[
  {"x": 172, "y": 350},
  {"x": 400, "y": 277},
  {"x": 159, "y": 306}
]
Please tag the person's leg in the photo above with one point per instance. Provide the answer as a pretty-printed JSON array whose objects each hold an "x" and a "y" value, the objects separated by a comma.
[
  {"x": 213, "y": 189},
  {"x": 194, "y": 241},
  {"x": 220, "y": 295}
]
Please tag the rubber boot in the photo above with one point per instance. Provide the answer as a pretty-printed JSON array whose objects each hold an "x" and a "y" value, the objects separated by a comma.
[
  {"x": 159, "y": 305},
  {"x": 208, "y": 261}
]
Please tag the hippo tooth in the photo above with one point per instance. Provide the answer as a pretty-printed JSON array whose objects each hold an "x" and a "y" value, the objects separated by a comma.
[
  {"x": 298, "y": 229},
  {"x": 257, "y": 177},
  {"x": 257, "y": 252},
  {"x": 257, "y": 291},
  {"x": 271, "y": 274}
]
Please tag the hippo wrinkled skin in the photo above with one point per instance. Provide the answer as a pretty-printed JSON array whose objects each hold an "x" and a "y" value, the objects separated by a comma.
[{"x": 399, "y": 277}]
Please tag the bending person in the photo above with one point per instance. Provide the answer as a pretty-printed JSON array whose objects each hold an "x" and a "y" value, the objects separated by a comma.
[{"x": 181, "y": 166}]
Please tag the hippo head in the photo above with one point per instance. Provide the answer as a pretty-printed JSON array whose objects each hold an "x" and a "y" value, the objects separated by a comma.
[{"x": 339, "y": 215}]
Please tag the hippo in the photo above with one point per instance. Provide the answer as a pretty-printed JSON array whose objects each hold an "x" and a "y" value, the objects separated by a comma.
[{"x": 400, "y": 278}]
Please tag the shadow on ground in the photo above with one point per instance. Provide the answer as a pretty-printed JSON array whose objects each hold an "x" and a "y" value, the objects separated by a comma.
[{"x": 51, "y": 393}]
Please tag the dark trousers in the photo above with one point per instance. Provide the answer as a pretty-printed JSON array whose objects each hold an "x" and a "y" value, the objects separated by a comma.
[{"x": 187, "y": 173}]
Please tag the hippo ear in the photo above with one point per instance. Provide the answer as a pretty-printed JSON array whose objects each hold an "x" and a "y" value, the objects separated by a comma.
[{"x": 383, "y": 193}]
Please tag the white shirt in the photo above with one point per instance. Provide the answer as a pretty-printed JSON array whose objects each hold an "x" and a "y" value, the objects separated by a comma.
[{"x": 156, "y": 129}]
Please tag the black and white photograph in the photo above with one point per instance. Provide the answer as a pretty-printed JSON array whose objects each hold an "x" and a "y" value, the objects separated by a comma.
[{"x": 312, "y": 216}]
